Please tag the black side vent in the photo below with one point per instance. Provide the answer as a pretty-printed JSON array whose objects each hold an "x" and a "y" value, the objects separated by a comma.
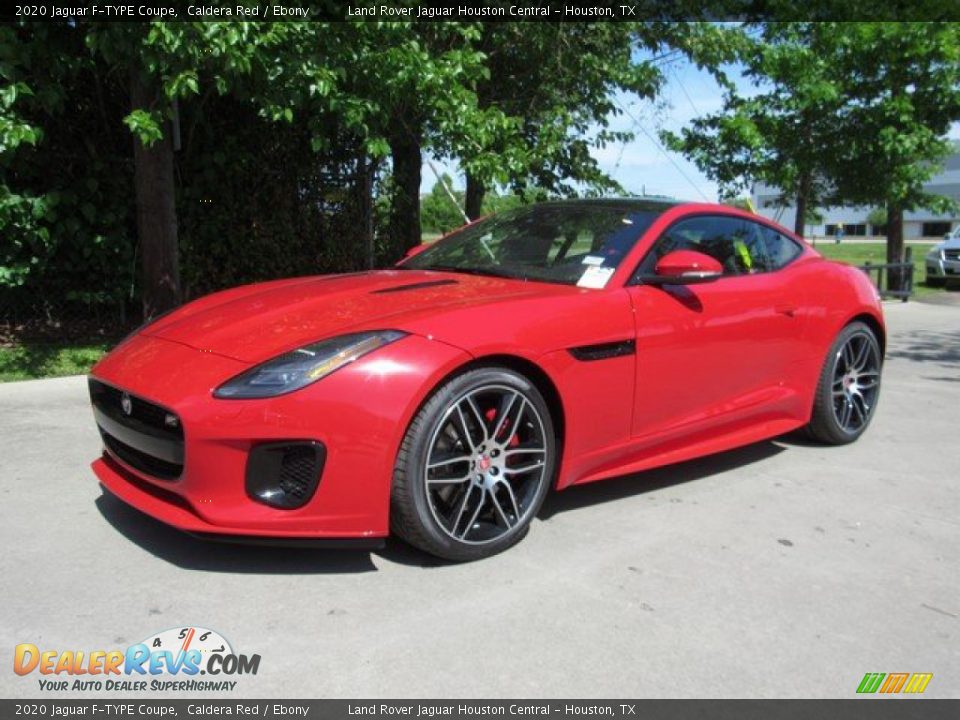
[
  {"x": 604, "y": 351},
  {"x": 413, "y": 286},
  {"x": 285, "y": 474}
]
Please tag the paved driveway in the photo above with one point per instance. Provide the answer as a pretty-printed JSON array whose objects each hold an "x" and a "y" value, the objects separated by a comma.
[{"x": 778, "y": 569}]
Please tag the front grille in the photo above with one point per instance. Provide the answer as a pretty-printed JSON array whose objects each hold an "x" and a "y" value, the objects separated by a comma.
[
  {"x": 110, "y": 399},
  {"x": 141, "y": 460},
  {"x": 137, "y": 432},
  {"x": 951, "y": 254}
]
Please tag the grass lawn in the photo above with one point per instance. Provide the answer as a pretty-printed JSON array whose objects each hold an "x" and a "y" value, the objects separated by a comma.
[
  {"x": 876, "y": 253},
  {"x": 40, "y": 360}
]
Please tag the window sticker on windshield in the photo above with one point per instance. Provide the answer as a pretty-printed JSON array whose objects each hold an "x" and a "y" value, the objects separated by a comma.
[
  {"x": 595, "y": 277},
  {"x": 592, "y": 260}
]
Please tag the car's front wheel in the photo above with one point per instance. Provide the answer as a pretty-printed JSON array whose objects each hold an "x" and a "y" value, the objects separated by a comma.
[
  {"x": 849, "y": 386},
  {"x": 474, "y": 466}
]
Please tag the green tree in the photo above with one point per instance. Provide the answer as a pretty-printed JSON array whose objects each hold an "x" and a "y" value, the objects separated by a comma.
[
  {"x": 112, "y": 134},
  {"x": 782, "y": 135},
  {"x": 438, "y": 212},
  {"x": 559, "y": 86},
  {"x": 166, "y": 63},
  {"x": 852, "y": 113},
  {"x": 902, "y": 88},
  {"x": 64, "y": 187},
  {"x": 408, "y": 88}
]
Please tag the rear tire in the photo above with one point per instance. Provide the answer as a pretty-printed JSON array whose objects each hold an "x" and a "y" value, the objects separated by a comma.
[
  {"x": 848, "y": 388},
  {"x": 474, "y": 467}
]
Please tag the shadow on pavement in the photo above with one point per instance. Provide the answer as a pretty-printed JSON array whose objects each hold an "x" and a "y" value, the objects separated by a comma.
[
  {"x": 191, "y": 553},
  {"x": 927, "y": 346}
]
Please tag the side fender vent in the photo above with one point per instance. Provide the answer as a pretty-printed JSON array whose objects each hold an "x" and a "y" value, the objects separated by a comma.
[{"x": 604, "y": 351}]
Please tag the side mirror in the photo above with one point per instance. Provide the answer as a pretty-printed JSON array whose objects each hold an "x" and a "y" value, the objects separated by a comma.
[
  {"x": 685, "y": 267},
  {"x": 415, "y": 250}
]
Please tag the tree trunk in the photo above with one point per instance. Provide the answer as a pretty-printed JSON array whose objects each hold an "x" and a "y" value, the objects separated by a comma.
[
  {"x": 474, "y": 198},
  {"x": 156, "y": 211},
  {"x": 366, "y": 170},
  {"x": 405, "y": 206},
  {"x": 800, "y": 223},
  {"x": 803, "y": 197},
  {"x": 894, "y": 243}
]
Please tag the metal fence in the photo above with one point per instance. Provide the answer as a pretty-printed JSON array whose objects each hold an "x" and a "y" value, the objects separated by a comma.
[
  {"x": 24, "y": 316},
  {"x": 898, "y": 275}
]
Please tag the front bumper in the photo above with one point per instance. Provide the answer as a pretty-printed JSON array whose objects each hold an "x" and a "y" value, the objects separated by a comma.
[
  {"x": 358, "y": 413},
  {"x": 940, "y": 267}
]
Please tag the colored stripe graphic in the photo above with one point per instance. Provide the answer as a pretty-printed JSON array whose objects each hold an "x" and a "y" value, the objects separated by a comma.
[
  {"x": 918, "y": 682},
  {"x": 894, "y": 682},
  {"x": 870, "y": 682}
]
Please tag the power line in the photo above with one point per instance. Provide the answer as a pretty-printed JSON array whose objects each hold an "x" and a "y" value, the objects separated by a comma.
[
  {"x": 676, "y": 75},
  {"x": 663, "y": 151}
]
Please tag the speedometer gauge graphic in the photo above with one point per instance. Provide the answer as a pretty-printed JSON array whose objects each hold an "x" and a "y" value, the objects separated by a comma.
[{"x": 182, "y": 639}]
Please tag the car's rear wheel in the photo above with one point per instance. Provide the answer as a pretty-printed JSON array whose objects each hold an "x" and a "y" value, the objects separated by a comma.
[
  {"x": 849, "y": 386},
  {"x": 474, "y": 466}
]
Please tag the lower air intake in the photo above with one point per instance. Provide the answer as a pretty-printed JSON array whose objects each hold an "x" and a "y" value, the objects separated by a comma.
[{"x": 285, "y": 474}]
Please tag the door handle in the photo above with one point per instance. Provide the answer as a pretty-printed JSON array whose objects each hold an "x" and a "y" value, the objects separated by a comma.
[{"x": 788, "y": 310}]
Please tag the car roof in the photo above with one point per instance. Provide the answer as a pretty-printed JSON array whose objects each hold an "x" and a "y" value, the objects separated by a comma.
[{"x": 647, "y": 203}]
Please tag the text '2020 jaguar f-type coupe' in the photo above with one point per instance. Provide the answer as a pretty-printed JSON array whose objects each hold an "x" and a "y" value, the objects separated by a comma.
[{"x": 557, "y": 344}]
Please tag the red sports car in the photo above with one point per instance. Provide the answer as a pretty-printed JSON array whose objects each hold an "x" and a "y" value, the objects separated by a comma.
[{"x": 442, "y": 399}]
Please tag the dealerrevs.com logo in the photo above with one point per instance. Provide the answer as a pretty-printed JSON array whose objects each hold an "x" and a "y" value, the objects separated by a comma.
[{"x": 168, "y": 661}]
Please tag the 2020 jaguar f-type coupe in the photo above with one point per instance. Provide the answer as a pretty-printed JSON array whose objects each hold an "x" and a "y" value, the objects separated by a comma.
[{"x": 557, "y": 344}]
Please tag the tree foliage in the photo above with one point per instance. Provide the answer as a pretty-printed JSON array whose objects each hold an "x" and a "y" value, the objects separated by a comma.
[
  {"x": 560, "y": 86},
  {"x": 853, "y": 113},
  {"x": 781, "y": 134}
]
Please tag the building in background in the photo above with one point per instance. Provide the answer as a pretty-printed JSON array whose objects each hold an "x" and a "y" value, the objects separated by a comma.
[{"x": 855, "y": 220}]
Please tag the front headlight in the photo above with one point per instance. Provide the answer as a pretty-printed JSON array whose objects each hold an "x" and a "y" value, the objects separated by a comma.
[
  {"x": 298, "y": 368},
  {"x": 936, "y": 253}
]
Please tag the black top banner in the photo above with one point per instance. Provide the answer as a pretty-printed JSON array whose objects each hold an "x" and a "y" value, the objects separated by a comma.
[{"x": 478, "y": 11}]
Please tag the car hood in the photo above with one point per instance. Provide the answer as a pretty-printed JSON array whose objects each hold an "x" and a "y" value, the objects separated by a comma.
[{"x": 257, "y": 322}]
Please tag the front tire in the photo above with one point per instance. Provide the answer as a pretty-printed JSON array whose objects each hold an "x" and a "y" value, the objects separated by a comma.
[
  {"x": 475, "y": 466},
  {"x": 849, "y": 387}
]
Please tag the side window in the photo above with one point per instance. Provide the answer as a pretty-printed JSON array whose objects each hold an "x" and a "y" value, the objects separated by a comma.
[
  {"x": 750, "y": 251},
  {"x": 780, "y": 249},
  {"x": 726, "y": 239}
]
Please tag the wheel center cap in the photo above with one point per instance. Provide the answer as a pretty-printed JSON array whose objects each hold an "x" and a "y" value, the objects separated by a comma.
[{"x": 484, "y": 463}]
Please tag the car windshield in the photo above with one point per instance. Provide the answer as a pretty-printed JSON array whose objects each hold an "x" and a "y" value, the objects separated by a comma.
[{"x": 573, "y": 243}]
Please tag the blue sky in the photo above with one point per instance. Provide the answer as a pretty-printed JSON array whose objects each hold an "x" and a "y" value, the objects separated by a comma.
[{"x": 643, "y": 165}]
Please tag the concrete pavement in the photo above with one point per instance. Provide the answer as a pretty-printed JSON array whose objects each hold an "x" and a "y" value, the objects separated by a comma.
[{"x": 781, "y": 569}]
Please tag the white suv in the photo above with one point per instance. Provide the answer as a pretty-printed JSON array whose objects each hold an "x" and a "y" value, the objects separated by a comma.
[{"x": 944, "y": 260}]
